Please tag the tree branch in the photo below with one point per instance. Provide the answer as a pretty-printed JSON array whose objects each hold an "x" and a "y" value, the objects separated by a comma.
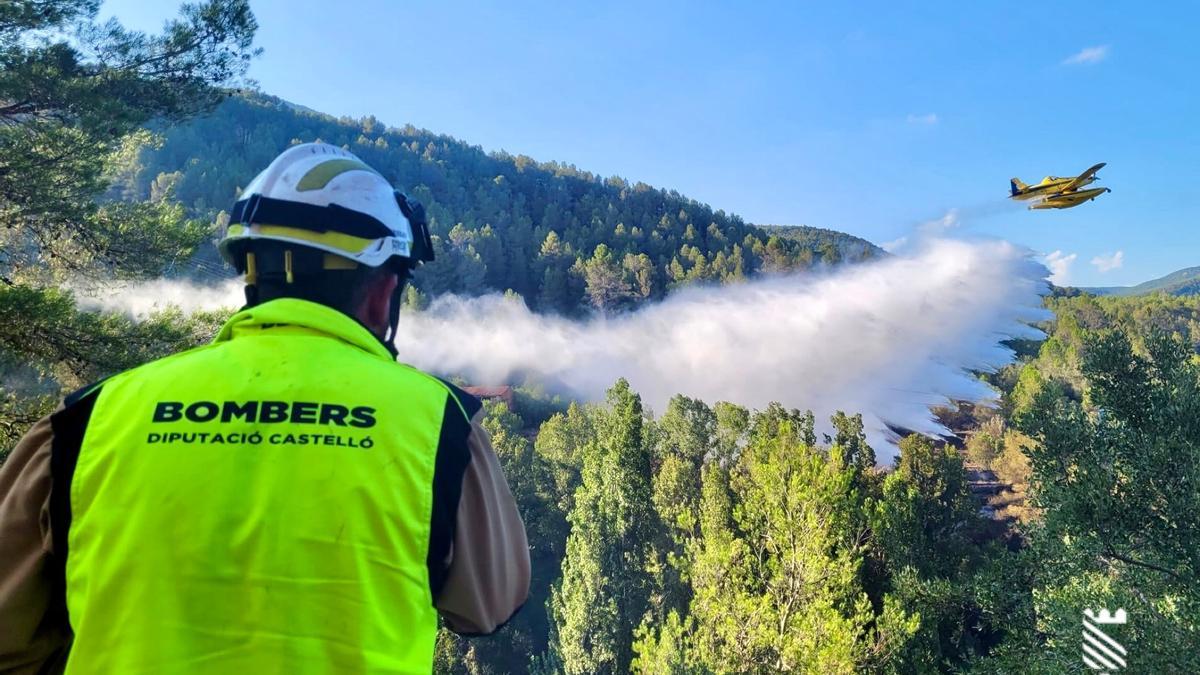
[{"x": 1109, "y": 553}]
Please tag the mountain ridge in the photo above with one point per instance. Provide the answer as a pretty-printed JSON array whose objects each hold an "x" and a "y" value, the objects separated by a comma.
[
  {"x": 562, "y": 238},
  {"x": 1185, "y": 281},
  {"x": 849, "y": 244}
]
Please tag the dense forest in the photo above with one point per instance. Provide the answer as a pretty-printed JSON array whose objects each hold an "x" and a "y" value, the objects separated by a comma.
[
  {"x": 709, "y": 539},
  {"x": 717, "y": 539},
  {"x": 564, "y": 239}
]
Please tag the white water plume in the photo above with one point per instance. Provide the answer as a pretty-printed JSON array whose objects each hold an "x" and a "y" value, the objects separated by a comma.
[
  {"x": 144, "y": 298},
  {"x": 888, "y": 338}
]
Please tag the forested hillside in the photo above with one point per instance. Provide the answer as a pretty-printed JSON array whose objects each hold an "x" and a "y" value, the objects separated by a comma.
[
  {"x": 71, "y": 120},
  {"x": 710, "y": 538},
  {"x": 1180, "y": 282},
  {"x": 831, "y": 244},
  {"x": 716, "y": 539},
  {"x": 562, "y": 238}
]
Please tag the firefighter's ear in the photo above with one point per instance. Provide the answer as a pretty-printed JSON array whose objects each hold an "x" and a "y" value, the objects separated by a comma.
[{"x": 375, "y": 311}]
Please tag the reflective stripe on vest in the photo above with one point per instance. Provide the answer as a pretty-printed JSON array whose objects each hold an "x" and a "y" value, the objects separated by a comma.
[{"x": 258, "y": 505}]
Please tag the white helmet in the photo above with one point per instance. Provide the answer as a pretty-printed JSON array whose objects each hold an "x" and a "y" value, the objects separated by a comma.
[{"x": 323, "y": 197}]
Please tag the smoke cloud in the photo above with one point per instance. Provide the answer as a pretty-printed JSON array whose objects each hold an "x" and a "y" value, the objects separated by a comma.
[{"x": 888, "y": 338}]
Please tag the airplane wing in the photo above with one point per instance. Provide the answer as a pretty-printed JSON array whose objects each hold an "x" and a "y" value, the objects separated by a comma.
[{"x": 1079, "y": 180}]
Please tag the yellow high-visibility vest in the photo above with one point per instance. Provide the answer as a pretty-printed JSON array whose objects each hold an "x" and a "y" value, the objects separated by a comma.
[{"x": 258, "y": 505}]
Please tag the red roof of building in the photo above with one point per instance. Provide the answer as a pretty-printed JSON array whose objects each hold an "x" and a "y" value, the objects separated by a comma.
[{"x": 503, "y": 392}]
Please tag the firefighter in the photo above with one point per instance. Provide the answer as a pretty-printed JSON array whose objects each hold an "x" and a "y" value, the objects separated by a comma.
[{"x": 286, "y": 499}]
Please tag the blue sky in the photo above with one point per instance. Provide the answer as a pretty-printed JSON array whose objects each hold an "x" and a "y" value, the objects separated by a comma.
[{"x": 868, "y": 117}]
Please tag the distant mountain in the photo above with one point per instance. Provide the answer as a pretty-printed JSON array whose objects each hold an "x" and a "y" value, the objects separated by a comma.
[
  {"x": 563, "y": 238},
  {"x": 1181, "y": 282}
]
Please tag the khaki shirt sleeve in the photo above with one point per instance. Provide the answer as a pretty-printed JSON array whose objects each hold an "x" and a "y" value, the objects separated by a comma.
[
  {"x": 488, "y": 577},
  {"x": 31, "y": 636}
]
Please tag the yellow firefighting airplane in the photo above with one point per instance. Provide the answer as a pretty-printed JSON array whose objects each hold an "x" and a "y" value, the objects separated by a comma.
[{"x": 1059, "y": 193}]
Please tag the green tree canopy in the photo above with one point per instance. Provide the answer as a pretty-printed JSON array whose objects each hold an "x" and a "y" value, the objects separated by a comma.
[{"x": 74, "y": 95}]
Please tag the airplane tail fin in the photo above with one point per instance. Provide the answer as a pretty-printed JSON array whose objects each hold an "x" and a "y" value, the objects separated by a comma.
[{"x": 1017, "y": 186}]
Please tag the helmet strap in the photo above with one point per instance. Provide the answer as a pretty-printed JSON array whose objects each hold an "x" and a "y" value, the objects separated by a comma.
[
  {"x": 251, "y": 287},
  {"x": 389, "y": 340},
  {"x": 297, "y": 268},
  {"x": 402, "y": 274}
]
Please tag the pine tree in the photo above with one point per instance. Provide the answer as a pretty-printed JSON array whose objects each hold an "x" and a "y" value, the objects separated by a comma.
[
  {"x": 606, "y": 286},
  {"x": 639, "y": 270},
  {"x": 604, "y": 591},
  {"x": 924, "y": 522},
  {"x": 927, "y": 511},
  {"x": 70, "y": 127},
  {"x": 776, "y": 587},
  {"x": 554, "y": 291},
  {"x": 68, "y": 119}
]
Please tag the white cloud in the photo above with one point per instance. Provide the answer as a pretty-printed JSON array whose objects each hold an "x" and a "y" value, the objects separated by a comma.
[
  {"x": 927, "y": 119},
  {"x": 893, "y": 245},
  {"x": 1087, "y": 56},
  {"x": 1060, "y": 267},
  {"x": 1109, "y": 262}
]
